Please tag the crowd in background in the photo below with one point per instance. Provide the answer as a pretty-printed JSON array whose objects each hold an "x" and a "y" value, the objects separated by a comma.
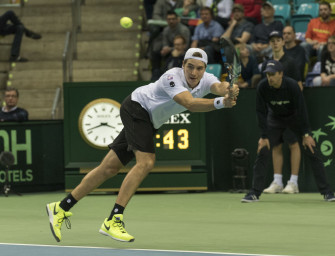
[{"x": 176, "y": 25}]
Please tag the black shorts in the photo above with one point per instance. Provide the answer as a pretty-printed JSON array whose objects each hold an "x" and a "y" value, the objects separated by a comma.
[
  {"x": 137, "y": 133},
  {"x": 281, "y": 130}
]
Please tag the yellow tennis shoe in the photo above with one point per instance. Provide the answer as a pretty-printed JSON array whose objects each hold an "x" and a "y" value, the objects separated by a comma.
[
  {"x": 56, "y": 217},
  {"x": 115, "y": 229}
]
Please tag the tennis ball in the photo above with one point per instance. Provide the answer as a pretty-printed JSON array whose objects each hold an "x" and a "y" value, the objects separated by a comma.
[{"x": 126, "y": 22}]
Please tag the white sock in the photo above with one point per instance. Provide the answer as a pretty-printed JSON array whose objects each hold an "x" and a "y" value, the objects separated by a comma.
[
  {"x": 278, "y": 178},
  {"x": 294, "y": 179}
]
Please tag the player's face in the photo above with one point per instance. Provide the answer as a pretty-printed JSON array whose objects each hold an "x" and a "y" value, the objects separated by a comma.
[
  {"x": 11, "y": 99},
  {"x": 194, "y": 71},
  {"x": 274, "y": 79}
]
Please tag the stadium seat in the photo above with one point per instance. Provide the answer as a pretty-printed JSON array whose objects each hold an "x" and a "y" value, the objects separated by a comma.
[
  {"x": 311, "y": 9},
  {"x": 297, "y": 3},
  {"x": 300, "y": 23},
  {"x": 282, "y": 12},
  {"x": 214, "y": 69},
  {"x": 304, "y": 14},
  {"x": 280, "y": 2}
]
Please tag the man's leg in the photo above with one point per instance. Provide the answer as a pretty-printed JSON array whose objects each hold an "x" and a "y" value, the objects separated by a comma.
[
  {"x": 59, "y": 211},
  {"x": 292, "y": 184},
  {"x": 108, "y": 168},
  {"x": 113, "y": 226},
  {"x": 259, "y": 172},
  {"x": 144, "y": 164},
  {"x": 277, "y": 159}
]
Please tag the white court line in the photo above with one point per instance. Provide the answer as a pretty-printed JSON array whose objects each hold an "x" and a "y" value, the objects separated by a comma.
[{"x": 149, "y": 250}]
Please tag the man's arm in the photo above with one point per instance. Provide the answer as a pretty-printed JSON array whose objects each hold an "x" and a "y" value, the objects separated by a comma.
[
  {"x": 200, "y": 104},
  {"x": 223, "y": 89},
  {"x": 229, "y": 31},
  {"x": 244, "y": 38}
]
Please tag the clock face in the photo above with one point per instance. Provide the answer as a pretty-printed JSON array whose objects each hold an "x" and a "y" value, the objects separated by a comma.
[{"x": 100, "y": 122}]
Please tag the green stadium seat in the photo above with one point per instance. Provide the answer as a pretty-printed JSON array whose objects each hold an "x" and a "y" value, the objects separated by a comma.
[
  {"x": 298, "y": 3},
  {"x": 282, "y": 12},
  {"x": 280, "y": 2},
  {"x": 214, "y": 69}
]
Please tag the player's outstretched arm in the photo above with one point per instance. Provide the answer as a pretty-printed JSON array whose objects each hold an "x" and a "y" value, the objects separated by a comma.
[
  {"x": 223, "y": 89},
  {"x": 203, "y": 105}
]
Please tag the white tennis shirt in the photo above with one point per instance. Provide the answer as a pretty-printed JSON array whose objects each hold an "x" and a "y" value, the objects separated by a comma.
[{"x": 157, "y": 97}]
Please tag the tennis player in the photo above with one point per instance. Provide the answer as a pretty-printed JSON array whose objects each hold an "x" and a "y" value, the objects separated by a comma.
[
  {"x": 142, "y": 113},
  {"x": 280, "y": 104}
]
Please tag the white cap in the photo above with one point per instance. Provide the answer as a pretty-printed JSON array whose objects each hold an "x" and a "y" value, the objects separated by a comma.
[{"x": 191, "y": 51}]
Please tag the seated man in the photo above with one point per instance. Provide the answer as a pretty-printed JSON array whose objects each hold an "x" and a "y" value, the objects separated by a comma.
[
  {"x": 318, "y": 31},
  {"x": 239, "y": 30},
  {"x": 11, "y": 112},
  {"x": 15, "y": 27},
  {"x": 163, "y": 44},
  {"x": 260, "y": 42},
  {"x": 176, "y": 57},
  {"x": 207, "y": 34},
  {"x": 295, "y": 51}
]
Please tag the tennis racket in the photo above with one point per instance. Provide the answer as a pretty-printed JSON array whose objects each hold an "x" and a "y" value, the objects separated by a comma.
[{"x": 231, "y": 60}]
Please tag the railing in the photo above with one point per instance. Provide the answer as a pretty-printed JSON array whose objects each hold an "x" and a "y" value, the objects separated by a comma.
[
  {"x": 55, "y": 103},
  {"x": 70, "y": 50},
  {"x": 70, "y": 47}
]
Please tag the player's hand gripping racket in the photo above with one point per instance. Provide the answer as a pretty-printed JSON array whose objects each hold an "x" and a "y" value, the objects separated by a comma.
[{"x": 231, "y": 60}]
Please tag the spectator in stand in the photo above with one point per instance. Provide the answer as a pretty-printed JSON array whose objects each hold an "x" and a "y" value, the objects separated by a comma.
[
  {"x": 15, "y": 27},
  {"x": 10, "y": 112},
  {"x": 318, "y": 31},
  {"x": 177, "y": 54},
  {"x": 155, "y": 25},
  {"x": 278, "y": 53},
  {"x": 222, "y": 10},
  {"x": 162, "y": 45},
  {"x": 295, "y": 51},
  {"x": 252, "y": 10},
  {"x": 260, "y": 42},
  {"x": 188, "y": 10},
  {"x": 327, "y": 77},
  {"x": 250, "y": 74},
  {"x": 207, "y": 35},
  {"x": 239, "y": 30}
]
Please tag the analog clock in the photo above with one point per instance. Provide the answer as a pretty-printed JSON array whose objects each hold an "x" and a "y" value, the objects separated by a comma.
[{"x": 100, "y": 122}]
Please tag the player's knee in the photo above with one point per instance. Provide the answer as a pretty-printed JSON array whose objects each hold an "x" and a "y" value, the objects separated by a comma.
[
  {"x": 294, "y": 145},
  {"x": 148, "y": 164}
]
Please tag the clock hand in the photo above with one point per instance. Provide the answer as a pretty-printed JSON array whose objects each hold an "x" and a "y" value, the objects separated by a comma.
[
  {"x": 109, "y": 126},
  {"x": 101, "y": 124},
  {"x": 95, "y": 127}
]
